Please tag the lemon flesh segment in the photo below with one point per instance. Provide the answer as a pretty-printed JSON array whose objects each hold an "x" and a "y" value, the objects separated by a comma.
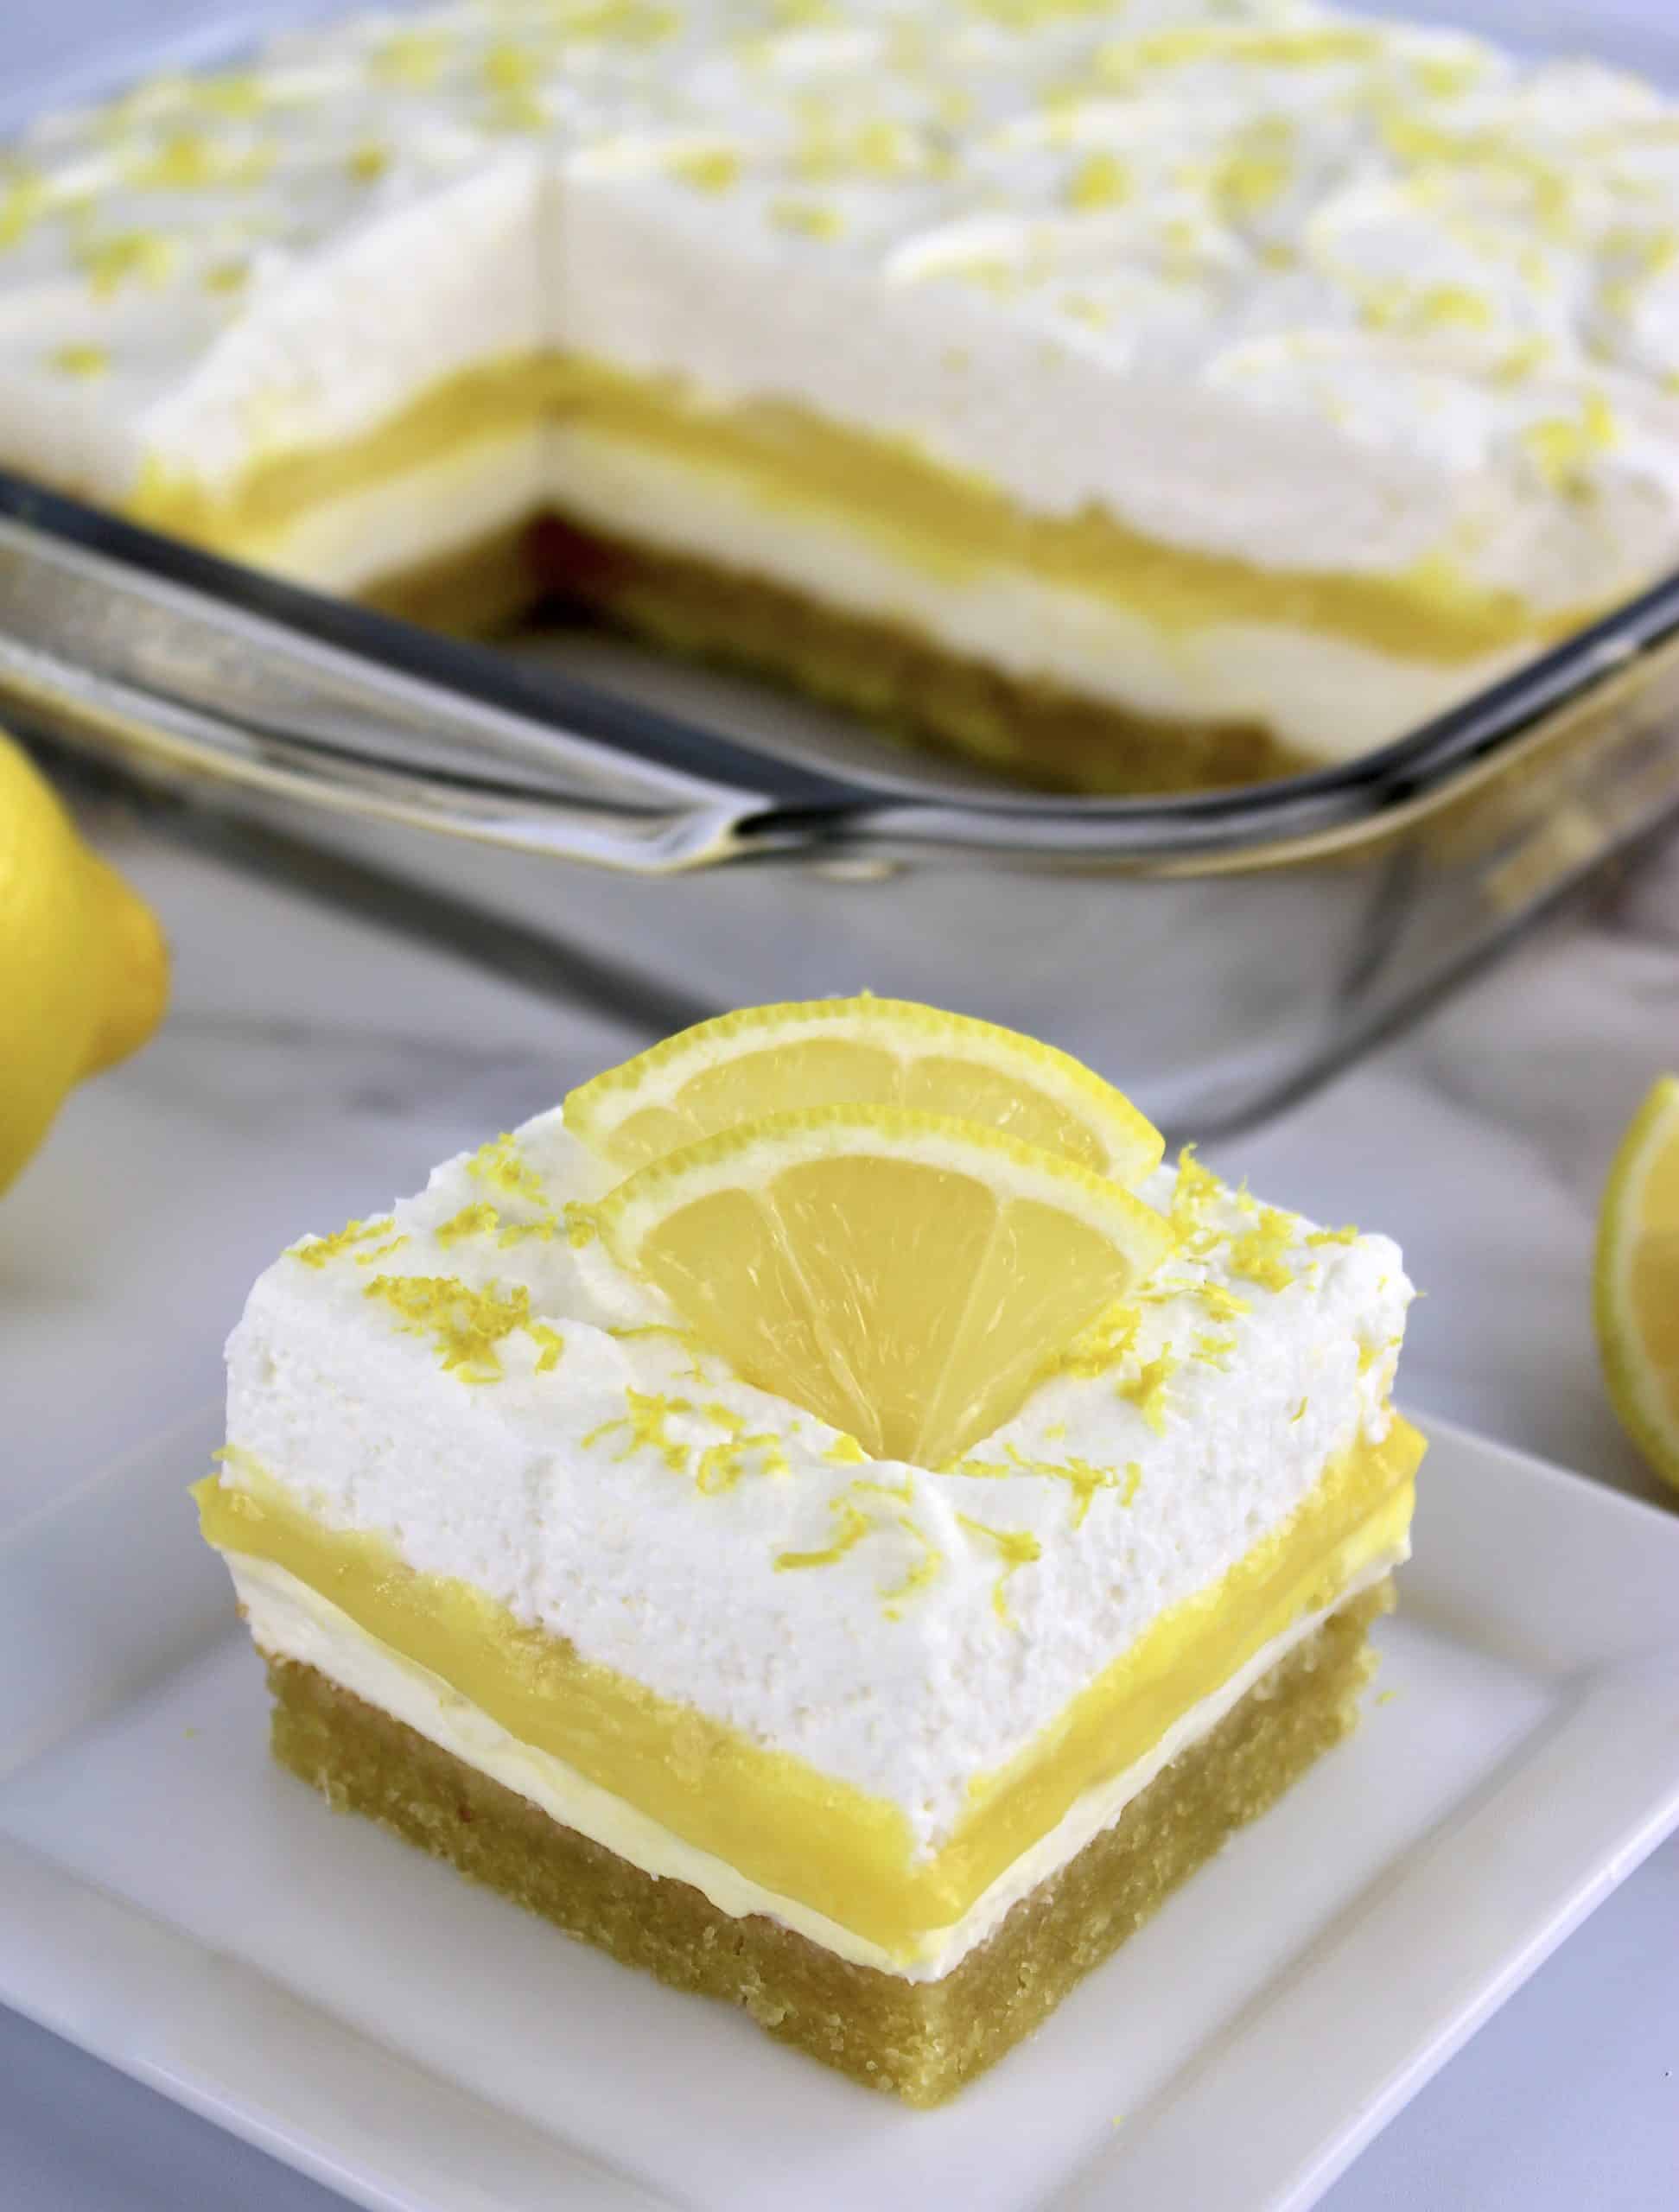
[
  {"x": 1638, "y": 1280},
  {"x": 859, "y": 1052},
  {"x": 903, "y": 1276}
]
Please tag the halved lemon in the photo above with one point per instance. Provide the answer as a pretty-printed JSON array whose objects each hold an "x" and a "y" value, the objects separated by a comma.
[
  {"x": 1637, "y": 1289},
  {"x": 904, "y": 1277},
  {"x": 861, "y": 1052}
]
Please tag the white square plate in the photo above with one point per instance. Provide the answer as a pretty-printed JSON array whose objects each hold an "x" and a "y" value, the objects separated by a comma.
[{"x": 179, "y": 1905}]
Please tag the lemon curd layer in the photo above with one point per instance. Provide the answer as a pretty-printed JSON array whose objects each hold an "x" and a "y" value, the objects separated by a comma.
[
  {"x": 779, "y": 459},
  {"x": 795, "y": 1831}
]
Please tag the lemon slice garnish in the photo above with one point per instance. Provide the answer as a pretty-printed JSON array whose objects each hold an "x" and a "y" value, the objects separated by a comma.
[
  {"x": 904, "y": 1277},
  {"x": 861, "y": 1052},
  {"x": 1637, "y": 1287}
]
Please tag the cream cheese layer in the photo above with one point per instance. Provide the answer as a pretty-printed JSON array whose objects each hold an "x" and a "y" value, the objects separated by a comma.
[
  {"x": 1263, "y": 283},
  {"x": 289, "y": 1620}
]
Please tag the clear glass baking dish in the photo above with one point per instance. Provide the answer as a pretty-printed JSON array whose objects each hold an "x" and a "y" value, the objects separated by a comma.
[
  {"x": 579, "y": 810},
  {"x": 1216, "y": 953}
]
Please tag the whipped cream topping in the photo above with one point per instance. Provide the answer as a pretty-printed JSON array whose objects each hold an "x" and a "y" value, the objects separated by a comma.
[
  {"x": 1261, "y": 279},
  {"x": 504, "y": 1406}
]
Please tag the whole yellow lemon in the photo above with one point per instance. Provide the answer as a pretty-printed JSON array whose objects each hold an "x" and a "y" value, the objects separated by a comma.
[{"x": 84, "y": 970}]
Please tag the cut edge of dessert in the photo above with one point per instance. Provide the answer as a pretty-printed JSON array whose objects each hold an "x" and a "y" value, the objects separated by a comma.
[
  {"x": 900, "y": 1554},
  {"x": 866, "y": 574},
  {"x": 1133, "y": 407}
]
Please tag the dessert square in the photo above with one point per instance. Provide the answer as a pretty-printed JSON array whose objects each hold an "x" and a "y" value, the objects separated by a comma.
[
  {"x": 890, "y": 1755},
  {"x": 1134, "y": 396}
]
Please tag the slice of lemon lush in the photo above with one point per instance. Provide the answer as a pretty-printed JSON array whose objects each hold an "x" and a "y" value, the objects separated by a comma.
[
  {"x": 861, "y": 1052},
  {"x": 1636, "y": 1286},
  {"x": 902, "y": 1275}
]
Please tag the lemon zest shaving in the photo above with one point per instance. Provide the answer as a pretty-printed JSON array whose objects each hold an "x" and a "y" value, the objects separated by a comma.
[
  {"x": 475, "y": 1220},
  {"x": 413, "y": 59},
  {"x": 646, "y": 1419},
  {"x": 865, "y": 1507},
  {"x": 711, "y": 169},
  {"x": 21, "y": 206},
  {"x": 854, "y": 1525},
  {"x": 1016, "y": 1547},
  {"x": 1261, "y": 1254},
  {"x": 83, "y": 361},
  {"x": 144, "y": 255},
  {"x": 510, "y": 70},
  {"x": 502, "y": 1166},
  {"x": 1147, "y": 1388},
  {"x": 722, "y": 1464},
  {"x": 898, "y": 1496},
  {"x": 466, "y": 1326},
  {"x": 916, "y": 1578},
  {"x": 808, "y": 217},
  {"x": 1082, "y": 1478},
  {"x": 1122, "y": 64},
  {"x": 1193, "y": 1191},
  {"x": 1102, "y": 181},
  {"x": 317, "y": 1250},
  {"x": 549, "y": 1343},
  {"x": 695, "y": 1372},
  {"x": 377, "y": 1252},
  {"x": 1100, "y": 1345},
  {"x": 544, "y": 1229},
  {"x": 714, "y": 1466},
  {"x": 1221, "y": 1302},
  {"x": 188, "y": 162}
]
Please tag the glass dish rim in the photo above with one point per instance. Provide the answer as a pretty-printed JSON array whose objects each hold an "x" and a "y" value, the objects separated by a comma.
[
  {"x": 837, "y": 809},
  {"x": 798, "y": 804}
]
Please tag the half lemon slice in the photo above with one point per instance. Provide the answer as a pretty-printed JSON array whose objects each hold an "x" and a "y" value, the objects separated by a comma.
[
  {"x": 1636, "y": 1290},
  {"x": 905, "y": 1277},
  {"x": 859, "y": 1052}
]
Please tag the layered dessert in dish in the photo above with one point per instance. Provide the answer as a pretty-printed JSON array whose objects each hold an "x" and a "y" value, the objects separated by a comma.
[
  {"x": 1136, "y": 396},
  {"x": 851, "y": 1559}
]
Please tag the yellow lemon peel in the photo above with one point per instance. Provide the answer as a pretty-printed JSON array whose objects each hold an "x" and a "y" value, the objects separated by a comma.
[{"x": 84, "y": 970}]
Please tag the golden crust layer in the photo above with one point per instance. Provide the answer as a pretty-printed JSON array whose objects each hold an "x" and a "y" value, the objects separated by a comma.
[
  {"x": 1032, "y": 731},
  {"x": 1027, "y": 728},
  {"x": 477, "y": 591},
  {"x": 919, "y": 2040}
]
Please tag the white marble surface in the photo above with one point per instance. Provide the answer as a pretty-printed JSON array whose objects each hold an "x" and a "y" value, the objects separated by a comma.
[{"x": 313, "y": 1066}]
